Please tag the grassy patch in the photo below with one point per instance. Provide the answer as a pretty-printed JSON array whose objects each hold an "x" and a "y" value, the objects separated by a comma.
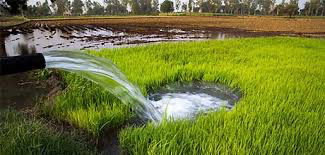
[
  {"x": 22, "y": 135},
  {"x": 281, "y": 112},
  {"x": 87, "y": 105}
]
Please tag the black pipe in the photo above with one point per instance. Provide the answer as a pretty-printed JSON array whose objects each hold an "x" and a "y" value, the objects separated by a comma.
[{"x": 18, "y": 64}]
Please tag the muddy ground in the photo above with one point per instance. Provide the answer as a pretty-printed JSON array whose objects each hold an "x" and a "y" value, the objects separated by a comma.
[{"x": 146, "y": 25}]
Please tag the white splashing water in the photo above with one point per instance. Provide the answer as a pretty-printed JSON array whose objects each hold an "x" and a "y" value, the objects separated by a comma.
[{"x": 187, "y": 105}]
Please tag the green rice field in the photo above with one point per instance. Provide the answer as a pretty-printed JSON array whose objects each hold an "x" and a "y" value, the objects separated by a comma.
[{"x": 281, "y": 111}]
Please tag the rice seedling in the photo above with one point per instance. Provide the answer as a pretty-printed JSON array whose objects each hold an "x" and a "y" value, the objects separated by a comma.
[
  {"x": 281, "y": 80},
  {"x": 87, "y": 106},
  {"x": 21, "y": 134}
]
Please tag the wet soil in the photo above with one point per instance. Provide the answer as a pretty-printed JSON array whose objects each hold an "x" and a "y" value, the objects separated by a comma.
[{"x": 20, "y": 91}]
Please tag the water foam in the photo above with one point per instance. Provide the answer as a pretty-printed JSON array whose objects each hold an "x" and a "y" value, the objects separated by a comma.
[{"x": 187, "y": 105}]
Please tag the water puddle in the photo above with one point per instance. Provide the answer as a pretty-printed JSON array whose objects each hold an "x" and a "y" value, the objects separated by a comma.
[
  {"x": 186, "y": 100},
  {"x": 47, "y": 38}
]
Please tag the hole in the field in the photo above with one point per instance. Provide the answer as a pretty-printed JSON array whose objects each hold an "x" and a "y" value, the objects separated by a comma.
[{"x": 186, "y": 100}]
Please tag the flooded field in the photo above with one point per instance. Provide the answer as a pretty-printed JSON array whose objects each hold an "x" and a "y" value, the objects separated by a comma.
[
  {"x": 47, "y": 38},
  {"x": 92, "y": 33}
]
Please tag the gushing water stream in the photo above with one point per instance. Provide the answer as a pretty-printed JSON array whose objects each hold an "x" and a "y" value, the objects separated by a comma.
[
  {"x": 173, "y": 102},
  {"x": 105, "y": 73}
]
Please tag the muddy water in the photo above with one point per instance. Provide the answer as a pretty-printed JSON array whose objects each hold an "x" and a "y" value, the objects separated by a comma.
[
  {"x": 92, "y": 37},
  {"x": 20, "y": 91}
]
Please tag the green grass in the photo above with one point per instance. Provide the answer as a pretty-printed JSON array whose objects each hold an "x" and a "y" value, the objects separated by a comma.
[
  {"x": 21, "y": 134},
  {"x": 283, "y": 85},
  {"x": 282, "y": 110},
  {"x": 88, "y": 106}
]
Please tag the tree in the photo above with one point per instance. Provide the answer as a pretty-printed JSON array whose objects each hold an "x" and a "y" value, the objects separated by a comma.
[
  {"x": 14, "y": 6},
  {"x": 135, "y": 7},
  {"x": 155, "y": 6},
  {"x": 233, "y": 6},
  {"x": 45, "y": 9},
  {"x": 292, "y": 8},
  {"x": 167, "y": 6},
  {"x": 89, "y": 6},
  {"x": 115, "y": 7},
  {"x": 31, "y": 11},
  {"x": 77, "y": 7},
  {"x": 267, "y": 5},
  {"x": 98, "y": 9},
  {"x": 225, "y": 7},
  {"x": 218, "y": 4},
  {"x": 177, "y": 5},
  {"x": 253, "y": 7},
  {"x": 94, "y": 8},
  {"x": 307, "y": 8},
  {"x": 313, "y": 7},
  {"x": 60, "y": 6},
  {"x": 184, "y": 7},
  {"x": 246, "y": 5},
  {"x": 124, "y": 4},
  {"x": 207, "y": 6},
  {"x": 190, "y": 5},
  {"x": 323, "y": 8},
  {"x": 144, "y": 6},
  {"x": 3, "y": 5},
  {"x": 279, "y": 9}
]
